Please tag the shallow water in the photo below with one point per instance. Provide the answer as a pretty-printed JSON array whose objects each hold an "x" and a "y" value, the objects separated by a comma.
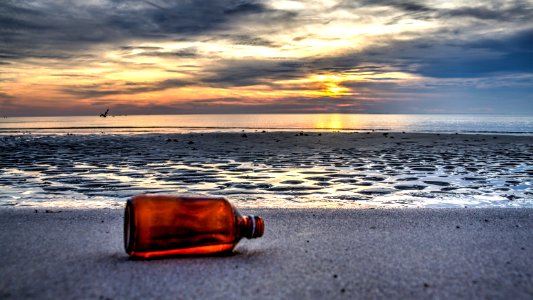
[{"x": 278, "y": 169}]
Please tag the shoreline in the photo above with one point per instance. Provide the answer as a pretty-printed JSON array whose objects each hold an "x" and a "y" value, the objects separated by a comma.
[
  {"x": 41, "y": 132},
  {"x": 305, "y": 253}
]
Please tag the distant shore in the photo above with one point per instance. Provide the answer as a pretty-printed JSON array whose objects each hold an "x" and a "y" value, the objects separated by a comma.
[{"x": 304, "y": 254}]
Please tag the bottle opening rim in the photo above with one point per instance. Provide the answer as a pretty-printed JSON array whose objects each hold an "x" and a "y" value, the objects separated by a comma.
[{"x": 257, "y": 227}]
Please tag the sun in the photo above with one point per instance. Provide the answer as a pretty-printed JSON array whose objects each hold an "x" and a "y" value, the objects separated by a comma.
[
  {"x": 331, "y": 86},
  {"x": 333, "y": 89}
]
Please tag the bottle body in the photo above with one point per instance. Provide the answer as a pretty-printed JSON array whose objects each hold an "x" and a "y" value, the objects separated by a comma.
[{"x": 161, "y": 225}]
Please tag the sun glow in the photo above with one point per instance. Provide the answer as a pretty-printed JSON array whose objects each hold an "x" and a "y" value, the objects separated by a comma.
[
  {"x": 334, "y": 84},
  {"x": 333, "y": 89}
]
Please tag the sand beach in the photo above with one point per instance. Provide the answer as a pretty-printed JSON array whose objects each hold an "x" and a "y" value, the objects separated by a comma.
[
  {"x": 304, "y": 254},
  {"x": 348, "y": 215}
]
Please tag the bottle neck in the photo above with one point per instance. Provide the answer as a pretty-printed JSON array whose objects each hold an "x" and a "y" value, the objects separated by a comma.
[{"x": 251, "y": 226}]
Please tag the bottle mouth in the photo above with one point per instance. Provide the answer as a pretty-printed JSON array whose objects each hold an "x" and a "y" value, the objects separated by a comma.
[{"x": 257, "y": 227}]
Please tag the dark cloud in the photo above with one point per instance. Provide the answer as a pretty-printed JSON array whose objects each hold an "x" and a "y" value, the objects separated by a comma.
[
  {"x": 144, "y": 48},
  {"x": 102, "y": 90},
  {"x": 508, "y": 54},
  {"x": 59, "y": 31},
  {"x": 246, "y": 72},
  {"x": 440, "y": 57},
  {"x": 5, "y": 96},
  {"x": 413, "y": 8},
  {"x": 247, "y": 8},
  {"x": 53, "y": 31},
  {"x": 253, "y": 72},
  {"x": 515, "y": 11},
  {"x": 249, "y": 40},
  {"x": 187, "y": 52},
  {"x": 7, "y": 103}
]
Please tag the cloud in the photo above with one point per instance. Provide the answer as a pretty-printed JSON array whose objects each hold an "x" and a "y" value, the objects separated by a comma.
[
  {"x": 231, "y": 105},
  {"x": 55, "y": 30},
  {"x": 506, "y": 11},
  {"x": 485, "y": 57},
  {"x": 7, "y": 103},
  {"x": 518, "y": 11},
  {"x": 406, "y": 6},
  {"x": 187, "y": 52},
  {"x": 6, "y": 98},
  {"x": 247, "y": 8},
  {"x": 430, "y": 57},
  {"x": 106, "y": 48},
  {"x": 249, "y": 40},
  {"x": 442, "y": 57},
  {"x": 252, "y": 72},
  {"x": 109, "y": 89}
]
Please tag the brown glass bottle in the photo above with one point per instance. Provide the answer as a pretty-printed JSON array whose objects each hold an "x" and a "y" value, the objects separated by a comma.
[{"x": 161, "y": 225}]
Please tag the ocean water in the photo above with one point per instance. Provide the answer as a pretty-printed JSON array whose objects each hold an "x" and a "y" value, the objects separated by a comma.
[{"x": 439, "y": 123}]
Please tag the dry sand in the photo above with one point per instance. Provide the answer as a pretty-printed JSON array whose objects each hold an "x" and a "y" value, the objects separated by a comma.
[{"x": 304, "y": 254}]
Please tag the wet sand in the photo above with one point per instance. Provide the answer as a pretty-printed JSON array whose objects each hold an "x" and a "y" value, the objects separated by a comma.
[
  {"x": 304, "y": 254},
  {"x": 270, "y": 169}
]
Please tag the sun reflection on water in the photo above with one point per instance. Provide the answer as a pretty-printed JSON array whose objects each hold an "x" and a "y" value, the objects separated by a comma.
[{"x": 334, "y": 121}]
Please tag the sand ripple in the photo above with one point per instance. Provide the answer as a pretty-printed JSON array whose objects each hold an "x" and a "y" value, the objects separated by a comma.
[{"x": 271, "y": 169}]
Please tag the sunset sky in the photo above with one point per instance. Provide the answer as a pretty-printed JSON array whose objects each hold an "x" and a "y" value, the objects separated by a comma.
[{"x": 67, "y": 57}]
